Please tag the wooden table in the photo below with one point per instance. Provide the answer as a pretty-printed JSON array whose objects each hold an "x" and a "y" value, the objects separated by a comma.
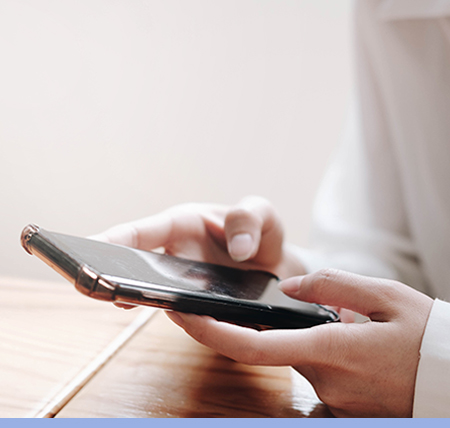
[{"x": 64, "y": 355}]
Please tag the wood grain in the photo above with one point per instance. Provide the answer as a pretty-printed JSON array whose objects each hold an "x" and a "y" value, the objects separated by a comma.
[
  {"x": 49, "y": 333},
  {"x": 162, "y": 372}
]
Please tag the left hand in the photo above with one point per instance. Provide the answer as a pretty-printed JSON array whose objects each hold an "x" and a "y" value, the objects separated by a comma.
[{"x": 364, "y": 370}]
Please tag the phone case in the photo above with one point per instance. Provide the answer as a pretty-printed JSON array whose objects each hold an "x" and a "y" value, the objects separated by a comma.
[{"x": 55, "y": 250}]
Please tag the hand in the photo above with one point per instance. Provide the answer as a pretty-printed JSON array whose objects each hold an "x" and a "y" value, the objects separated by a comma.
[
  {"x": 363, "y": 370},
  {"x": 248, "y": 235}
]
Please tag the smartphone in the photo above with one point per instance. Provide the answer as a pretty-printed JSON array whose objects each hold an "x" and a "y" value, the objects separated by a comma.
[{"x": 115, "y": 273}]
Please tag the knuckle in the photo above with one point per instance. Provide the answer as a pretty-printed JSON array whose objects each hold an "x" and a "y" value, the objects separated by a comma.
[
  {"x": 391, "y": 290},
  {"x": 261, "y": 205},
  {"x": 326, "y": 275},
  {"x": 241, "y": 216},
  {"x": 321, "y": 280},
  {"x": 254, "y": 212}
]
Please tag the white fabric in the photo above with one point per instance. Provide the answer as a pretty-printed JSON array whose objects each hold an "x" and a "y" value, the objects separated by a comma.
[
  {"x": 384, "y": 207},
  {"x": 432, "y": 398}
]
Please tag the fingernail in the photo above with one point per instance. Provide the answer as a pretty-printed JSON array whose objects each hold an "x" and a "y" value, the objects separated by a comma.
[
  {"x": 241, "y": 247},
  {"x": 290, "y": 285}
]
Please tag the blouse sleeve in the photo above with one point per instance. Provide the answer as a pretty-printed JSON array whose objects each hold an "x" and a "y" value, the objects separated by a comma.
[
  {"x": 360, "y": 223},
  {"x": 432, "y": 393}
]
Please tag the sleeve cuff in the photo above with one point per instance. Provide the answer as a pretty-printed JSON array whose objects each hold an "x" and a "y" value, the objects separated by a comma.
[{"x": 432, "y": 391}]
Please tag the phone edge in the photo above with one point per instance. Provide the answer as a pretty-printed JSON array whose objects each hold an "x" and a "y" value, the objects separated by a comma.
[{"x": 83, "y": 277}]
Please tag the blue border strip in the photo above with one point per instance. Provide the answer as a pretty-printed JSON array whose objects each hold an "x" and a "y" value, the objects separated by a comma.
[{"x": 224, "y": 423}]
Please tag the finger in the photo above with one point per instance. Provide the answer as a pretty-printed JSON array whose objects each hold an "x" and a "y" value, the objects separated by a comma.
[
  {"x": 245, "y": 224},
  {"x": 123, "y": 305},
  {"x": 146, "y": 234},
  {"x": 245, "y": 345},
  {"x": 368, "y": 296},
  {"x": 346, "y": 315}
]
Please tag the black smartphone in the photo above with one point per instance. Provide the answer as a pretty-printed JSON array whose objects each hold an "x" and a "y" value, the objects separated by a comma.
[{"x": 116, "y": 273}]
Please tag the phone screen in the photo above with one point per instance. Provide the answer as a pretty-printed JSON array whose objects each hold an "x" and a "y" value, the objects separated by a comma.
[{"x": 122, "y": 264}]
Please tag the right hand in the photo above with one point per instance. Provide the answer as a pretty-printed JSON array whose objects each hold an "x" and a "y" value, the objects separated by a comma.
[
  {"x": 248, "y": 235},
  {"x": 365, "y": 369}
]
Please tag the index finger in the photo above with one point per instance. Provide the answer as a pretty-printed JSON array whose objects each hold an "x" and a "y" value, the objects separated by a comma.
[
  {"x": 146, "y": 234},
  {"x": 249, "y": 346}
]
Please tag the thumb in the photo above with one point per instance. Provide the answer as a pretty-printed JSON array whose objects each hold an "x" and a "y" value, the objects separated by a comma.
[
  {"x": 368, "y": 296},
  {"x": 253, "y": 228}
]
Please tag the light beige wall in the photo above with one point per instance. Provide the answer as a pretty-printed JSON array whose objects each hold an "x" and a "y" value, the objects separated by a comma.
[{"x": 113, "y": 110}]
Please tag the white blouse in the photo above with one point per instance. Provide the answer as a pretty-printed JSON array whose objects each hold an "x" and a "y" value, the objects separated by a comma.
[{"x": 384, "y": 206}]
